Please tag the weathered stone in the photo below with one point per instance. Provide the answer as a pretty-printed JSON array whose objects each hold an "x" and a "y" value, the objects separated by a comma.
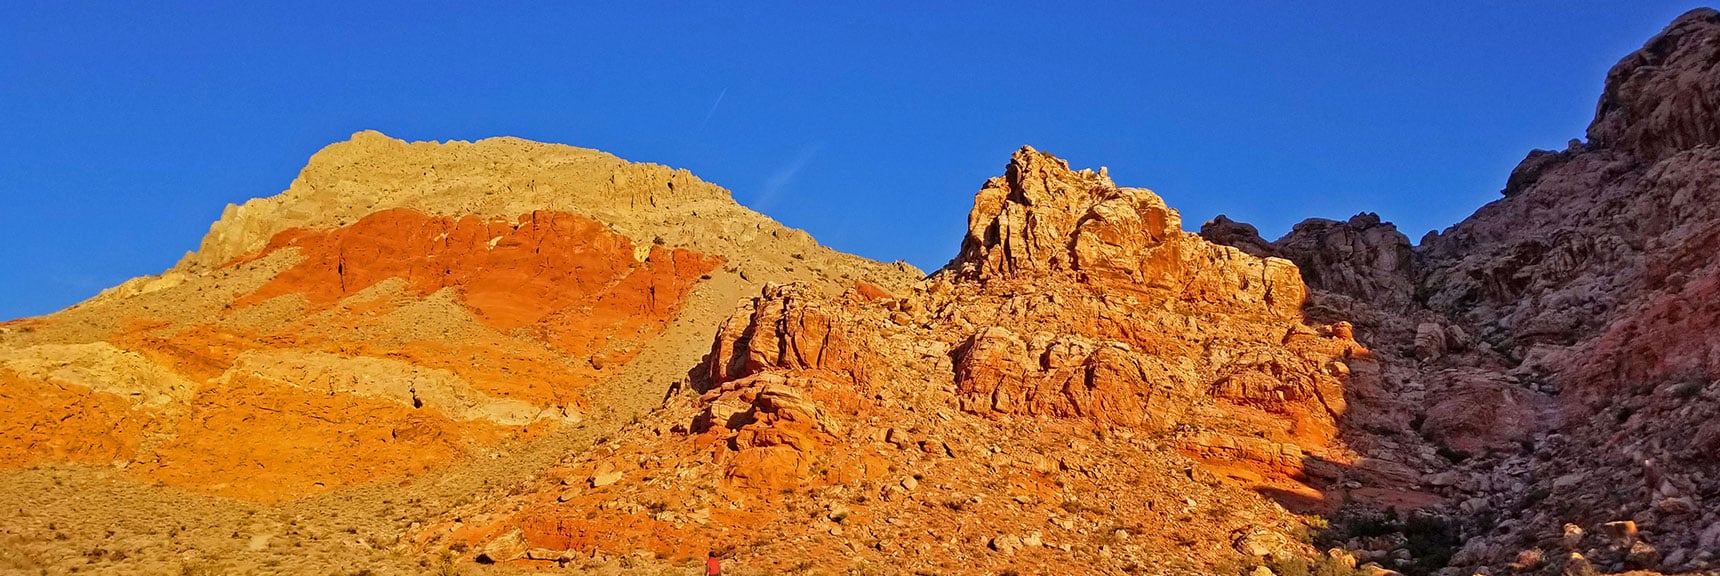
[
  {"x": 503, "y": 548},
  {"x": 605, "y": 475},
  {"x": 1643, "y": 555}
]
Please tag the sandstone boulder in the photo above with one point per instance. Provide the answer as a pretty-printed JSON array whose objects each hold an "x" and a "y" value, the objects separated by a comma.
[{"x": 786, "y": 328}]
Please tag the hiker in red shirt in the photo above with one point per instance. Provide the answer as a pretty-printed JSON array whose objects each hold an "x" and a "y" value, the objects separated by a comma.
[{"x": 711, "y": 567}]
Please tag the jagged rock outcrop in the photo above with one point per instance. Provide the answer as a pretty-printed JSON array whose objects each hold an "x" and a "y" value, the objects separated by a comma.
[
  {"x": 1538, "y": 392},
  {"x": 1362, "y": 270},
  {"x": 1077, "y": 298},
  {"x": 1362, "y": 258},
  {"x": 1072, "y": 297},
  {"x": 1573, "y": 318},
  {"x": 1240, "y": 235},
  {"x": 1075, "y": 309},
  {"x": 1657, "y": 101},
  {"x": 787, "y": 328},
  {"x": 1043, "y": 219}
]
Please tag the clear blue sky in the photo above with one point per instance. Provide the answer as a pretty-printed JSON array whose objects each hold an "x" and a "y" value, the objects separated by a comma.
[{"x": 126, "y": 127}]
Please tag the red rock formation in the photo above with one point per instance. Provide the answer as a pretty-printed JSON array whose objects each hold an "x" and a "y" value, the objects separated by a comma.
[
  {"x": 564, "y": 274},
  {"x": 562, "y": 296},
  {"x": 786, "y": 328},
  {"x": 1124, "y": 286},
  {"x": 1041, "y": 218},
  {"x": 1071, "y": 298},
  {"x": 1075, "y": 310},
  {"x": 780, "y": 427},
  {"x": 1070, "y": 378}
]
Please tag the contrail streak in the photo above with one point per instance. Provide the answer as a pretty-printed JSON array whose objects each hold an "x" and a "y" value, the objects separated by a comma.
[{"x": 713, "y": 110}]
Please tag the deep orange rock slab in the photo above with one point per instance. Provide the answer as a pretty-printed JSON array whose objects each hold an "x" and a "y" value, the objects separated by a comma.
[
  {"x": 257, "y": 440},
  {"x": 568, "y": 276},
  {"x": 199, "y": 352},
  {"x": 566, "y": 297},
  {"x": 64, "y": 422}
]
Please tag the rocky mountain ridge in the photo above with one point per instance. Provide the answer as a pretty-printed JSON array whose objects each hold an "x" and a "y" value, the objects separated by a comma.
[
  {"x": 397, "y": 308},
  {"x": 1586, "y": 288},
  {"x": 508, "y": 356}
]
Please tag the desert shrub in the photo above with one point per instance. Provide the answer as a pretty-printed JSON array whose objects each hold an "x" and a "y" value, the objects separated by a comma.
[
  {"x": 1452, "y": 455},
  {"x": 1431, "y": 541}
]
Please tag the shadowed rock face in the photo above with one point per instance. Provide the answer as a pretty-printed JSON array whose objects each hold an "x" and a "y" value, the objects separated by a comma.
[
  {"x": 1593, "y": 279},
  {"x": 1587, "y": 229},
  {"x": 1659, "y": 100}
]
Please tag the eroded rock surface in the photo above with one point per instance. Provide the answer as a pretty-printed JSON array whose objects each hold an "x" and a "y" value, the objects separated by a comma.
[
  {"x": 400, "y": 308},
  {"x": 1078, "y": 339},
  {"x": 1084, "y": 387},
  {"x": 1560, "y": 343}
]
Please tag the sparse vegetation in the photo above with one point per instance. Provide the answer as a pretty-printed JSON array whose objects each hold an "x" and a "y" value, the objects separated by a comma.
[
  {"x": 1430, "y": 539},
  {"x": 1450, "y": 454}
]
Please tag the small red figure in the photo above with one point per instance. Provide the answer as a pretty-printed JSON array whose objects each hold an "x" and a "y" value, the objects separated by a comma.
[{"x": 711, "y": 566}]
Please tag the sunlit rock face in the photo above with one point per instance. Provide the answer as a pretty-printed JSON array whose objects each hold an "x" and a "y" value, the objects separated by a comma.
[{"x": 399, "y": 308}]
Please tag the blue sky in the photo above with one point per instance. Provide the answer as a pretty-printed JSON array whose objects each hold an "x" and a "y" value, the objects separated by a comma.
[{"x": 126, "y": 127}]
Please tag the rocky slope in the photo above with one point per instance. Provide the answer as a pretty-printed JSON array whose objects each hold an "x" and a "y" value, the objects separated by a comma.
[
  {"x": 399, "y": 310},
  {"x": 1085, "y": 387},
  {"x": 1589, "y": 287},
  {"x": 509, "y": 356}
]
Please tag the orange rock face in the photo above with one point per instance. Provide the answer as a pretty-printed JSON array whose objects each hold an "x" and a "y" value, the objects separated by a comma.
[
  {"x": 347, "y": 390},
  {"x": 257, "y": 440},
  {"x": 1071, "y": 298},
  {"x": 779, "y": 427},
  {"x": 198, "y": 352},
  {"x": 563, "y": 275},
  {"x": 786, "y": 328},
  {"x": 67, "y": 423},
  {"x": 1093, "y": 303}
]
